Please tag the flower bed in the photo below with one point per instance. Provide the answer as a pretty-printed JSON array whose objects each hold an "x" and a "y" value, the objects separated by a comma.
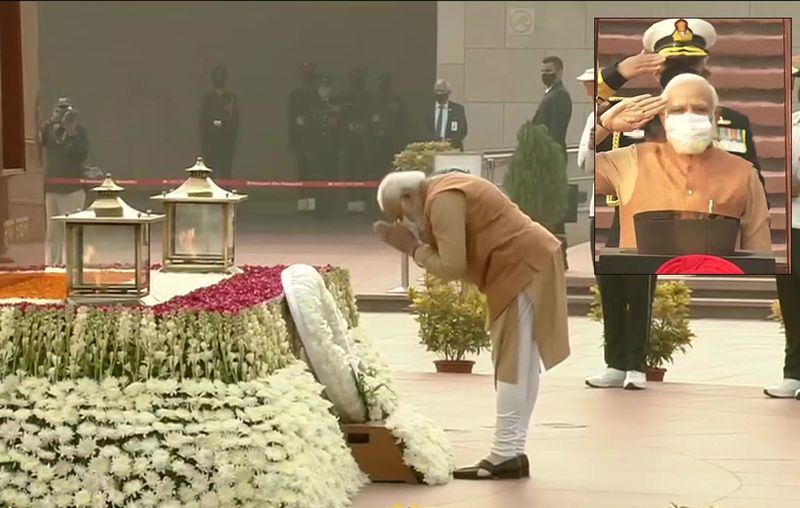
[
  {"x": 51, "y": 286},
  {"x": 232, "y": 331},
  {"x": 265, "y": 443},
  {"x": 195, "y": 401}
]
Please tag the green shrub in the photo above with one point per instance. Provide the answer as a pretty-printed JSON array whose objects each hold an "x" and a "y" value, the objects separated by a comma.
[
  {"x": 419, "y": 156},
  {"x": 537, "y": 179},
  {"x": 452, "y": 318},
  {"x": 670, "y": 330}
]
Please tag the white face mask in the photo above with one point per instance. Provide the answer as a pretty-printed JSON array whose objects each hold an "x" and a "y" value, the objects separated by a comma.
[{"x": 689, "y": 133}]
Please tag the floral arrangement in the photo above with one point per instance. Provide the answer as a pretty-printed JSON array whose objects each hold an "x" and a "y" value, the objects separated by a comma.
[
  {"x": 232, "y": 331},
  {"x": 776, "y": 313},
  {"x": 419, "y": 156},
  {"x": 170, "y": 443},
  {"x": 670, "y": 331},
  {"x": 349, "y": 366},
  {"x": 451, "y": 317}
]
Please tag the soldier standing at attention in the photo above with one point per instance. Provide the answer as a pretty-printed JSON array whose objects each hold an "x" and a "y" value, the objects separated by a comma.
[
  {"x": 301, "y": 100},
  {"x": 324, "y": 147},
  {"x": 356, "y": 105},
  {"x": 219, "y": 124},
  {"x": 388, "y": 129}
]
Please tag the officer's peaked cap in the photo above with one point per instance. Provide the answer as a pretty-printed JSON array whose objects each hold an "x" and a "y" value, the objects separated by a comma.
[{"x": 680, "y": 37}]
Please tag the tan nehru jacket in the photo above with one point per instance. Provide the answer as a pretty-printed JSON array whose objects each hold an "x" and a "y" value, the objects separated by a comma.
[
  {"x": 478, "y": 235},
  {"x": 653, "y": 176}
]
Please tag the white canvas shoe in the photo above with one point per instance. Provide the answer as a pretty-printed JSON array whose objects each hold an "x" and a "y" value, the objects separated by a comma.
[
  {"x": 609, "y": 378},
  {"x": 635, "y": 380},
  {"x": 788, "y": 389}
]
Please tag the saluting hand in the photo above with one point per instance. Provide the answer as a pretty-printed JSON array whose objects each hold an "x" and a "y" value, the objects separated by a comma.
[
  {"x": 632, "y": 114},
  {"x": 396, "y": 235},
  {"x": 638, "y": 65}
]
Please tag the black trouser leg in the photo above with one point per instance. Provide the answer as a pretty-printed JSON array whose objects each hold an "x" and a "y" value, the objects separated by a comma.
[
  {"x": 612, "y": 295},
  {"x": 789, "y": 297},
  {"x": 627, "y": 303},
  {"x": 640, "y": 290}
]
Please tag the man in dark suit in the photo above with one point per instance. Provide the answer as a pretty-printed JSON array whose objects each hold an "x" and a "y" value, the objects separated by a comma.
[
  {"x": 449, "y": 121},
  {"x": 219, "y": 124},
  {"x": 555, "y": 110}
]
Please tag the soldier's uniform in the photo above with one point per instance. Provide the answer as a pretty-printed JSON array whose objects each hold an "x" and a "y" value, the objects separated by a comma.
[
  {"x": 357, "y": 119},
  {"x": 626, "y": 299},
  {"x": 301, "y": 100},
  {"x": 219, "y": 124},
  {"x": 324, "y": 138},
  {"x": 388, "y": 131}
]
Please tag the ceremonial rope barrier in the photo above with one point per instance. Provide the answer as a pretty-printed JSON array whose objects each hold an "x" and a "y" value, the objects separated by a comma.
[{"x": 246, "y": 184}]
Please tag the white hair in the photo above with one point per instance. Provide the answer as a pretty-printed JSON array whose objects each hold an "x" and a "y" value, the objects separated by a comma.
[
  {"x": 397, "y": 184},
  {"x": 682, "y": 79}
]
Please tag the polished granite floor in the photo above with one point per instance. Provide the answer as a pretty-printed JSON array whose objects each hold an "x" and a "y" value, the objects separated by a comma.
[{"x": 706, "y": 437}]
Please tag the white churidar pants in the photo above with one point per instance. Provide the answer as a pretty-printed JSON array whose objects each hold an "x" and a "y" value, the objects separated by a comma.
[{"x": 515, "y": 402}]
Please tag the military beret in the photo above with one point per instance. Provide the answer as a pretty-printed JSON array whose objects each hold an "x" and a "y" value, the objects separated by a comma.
[
  {"x": 588, "y": 75},
  {"x": 64, "y": 102},
  {"x": 680, "y": 37}
]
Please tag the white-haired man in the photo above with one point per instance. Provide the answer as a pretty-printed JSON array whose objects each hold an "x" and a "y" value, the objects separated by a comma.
[
  {"x": 448, "y": 121},
  {"x": 688, "y": 171},
  {"x": 462, "y": 227}
]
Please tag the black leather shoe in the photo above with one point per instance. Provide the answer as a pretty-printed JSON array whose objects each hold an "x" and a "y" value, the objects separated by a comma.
[
  {"x": 511, "y": 469},
  {"x": 525, "y": 465}
]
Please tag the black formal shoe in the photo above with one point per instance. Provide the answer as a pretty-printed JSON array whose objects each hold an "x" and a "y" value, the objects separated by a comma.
[
  {"x": 525, "y": 465},
  {"x": 511, "y": 469}
]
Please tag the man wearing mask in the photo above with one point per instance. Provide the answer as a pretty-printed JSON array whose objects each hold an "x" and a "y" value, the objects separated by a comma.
[
  {"x": 555, "y": 110},
  {"x": 466, "y": 229},
  {"x": 324, "y": 138},
  {"x": 219, "y": 125},
  {"x": 301, "y": 100},
  {"x": 356, "y": 104},
  {"x": 66, "y": 145},
  {"x": 449, "y": 121},
  {"x": 789, "y": 285},
  {"x": 656, "y": 176}
]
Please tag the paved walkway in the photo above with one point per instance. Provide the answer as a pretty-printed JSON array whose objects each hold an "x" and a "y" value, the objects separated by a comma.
[{"x": 706, "y": 437}]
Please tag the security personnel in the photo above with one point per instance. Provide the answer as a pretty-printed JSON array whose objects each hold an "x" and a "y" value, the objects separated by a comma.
[
  {"x": 301, "y": 100},
  {"x": 387, "y": 131},
  {"x": 356, "y": 105},
  {"x": 626, "y": 299},
  {"x": 324, "y": 141},
  {"x": 219, "y": 124},
  {"x": 789, "y": 285}
]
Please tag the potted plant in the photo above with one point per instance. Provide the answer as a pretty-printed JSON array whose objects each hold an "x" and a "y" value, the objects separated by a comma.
[
  {"x": 537, "y": 179},
  {"x": 419, "y": 156},
  {"x": 452, "y": 322},
  {"x": 669, "y": 328}
]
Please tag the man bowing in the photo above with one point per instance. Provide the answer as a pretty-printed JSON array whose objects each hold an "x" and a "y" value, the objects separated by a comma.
[{"x": 462, "y": 227}]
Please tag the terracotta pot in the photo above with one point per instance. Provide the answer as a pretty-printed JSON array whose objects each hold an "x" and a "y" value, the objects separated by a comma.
[
  {"x": 654, "y": 374},
  {"x": 454, "y": 366}
]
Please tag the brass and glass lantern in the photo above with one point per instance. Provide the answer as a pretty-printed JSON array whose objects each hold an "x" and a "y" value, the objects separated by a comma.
[
  {"x": 108, "y": 249},
  {"x": 199, "y": 234}
]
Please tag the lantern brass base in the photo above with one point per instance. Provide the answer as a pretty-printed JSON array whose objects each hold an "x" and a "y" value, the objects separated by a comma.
[
  {"x": 199, "y": 268},
  {"x": 105, "y": 300}
]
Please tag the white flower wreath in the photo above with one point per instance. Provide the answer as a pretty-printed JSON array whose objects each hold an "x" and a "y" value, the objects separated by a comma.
[{"x": 323, "y": 332}]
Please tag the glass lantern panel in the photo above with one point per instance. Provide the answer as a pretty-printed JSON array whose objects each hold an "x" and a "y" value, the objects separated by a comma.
[
  {"x": 74, "y": 239},
  {"x": 199, "y": 230},
  {"x": 144, "y": 256},
  {"x": 231, "y": 218},
  {"x": 108, "y": 254}
]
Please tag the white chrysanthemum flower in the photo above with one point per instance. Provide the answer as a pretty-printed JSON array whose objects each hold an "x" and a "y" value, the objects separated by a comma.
[
  {"x": 160, "y": 460},
  {"x": 45, "y": 473},
  {"x": 83, "y": 498},
  {"x": 121, "y": 466},
  {"x": 132, "y": 487},
  {"x": 86, "y": 447}
]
